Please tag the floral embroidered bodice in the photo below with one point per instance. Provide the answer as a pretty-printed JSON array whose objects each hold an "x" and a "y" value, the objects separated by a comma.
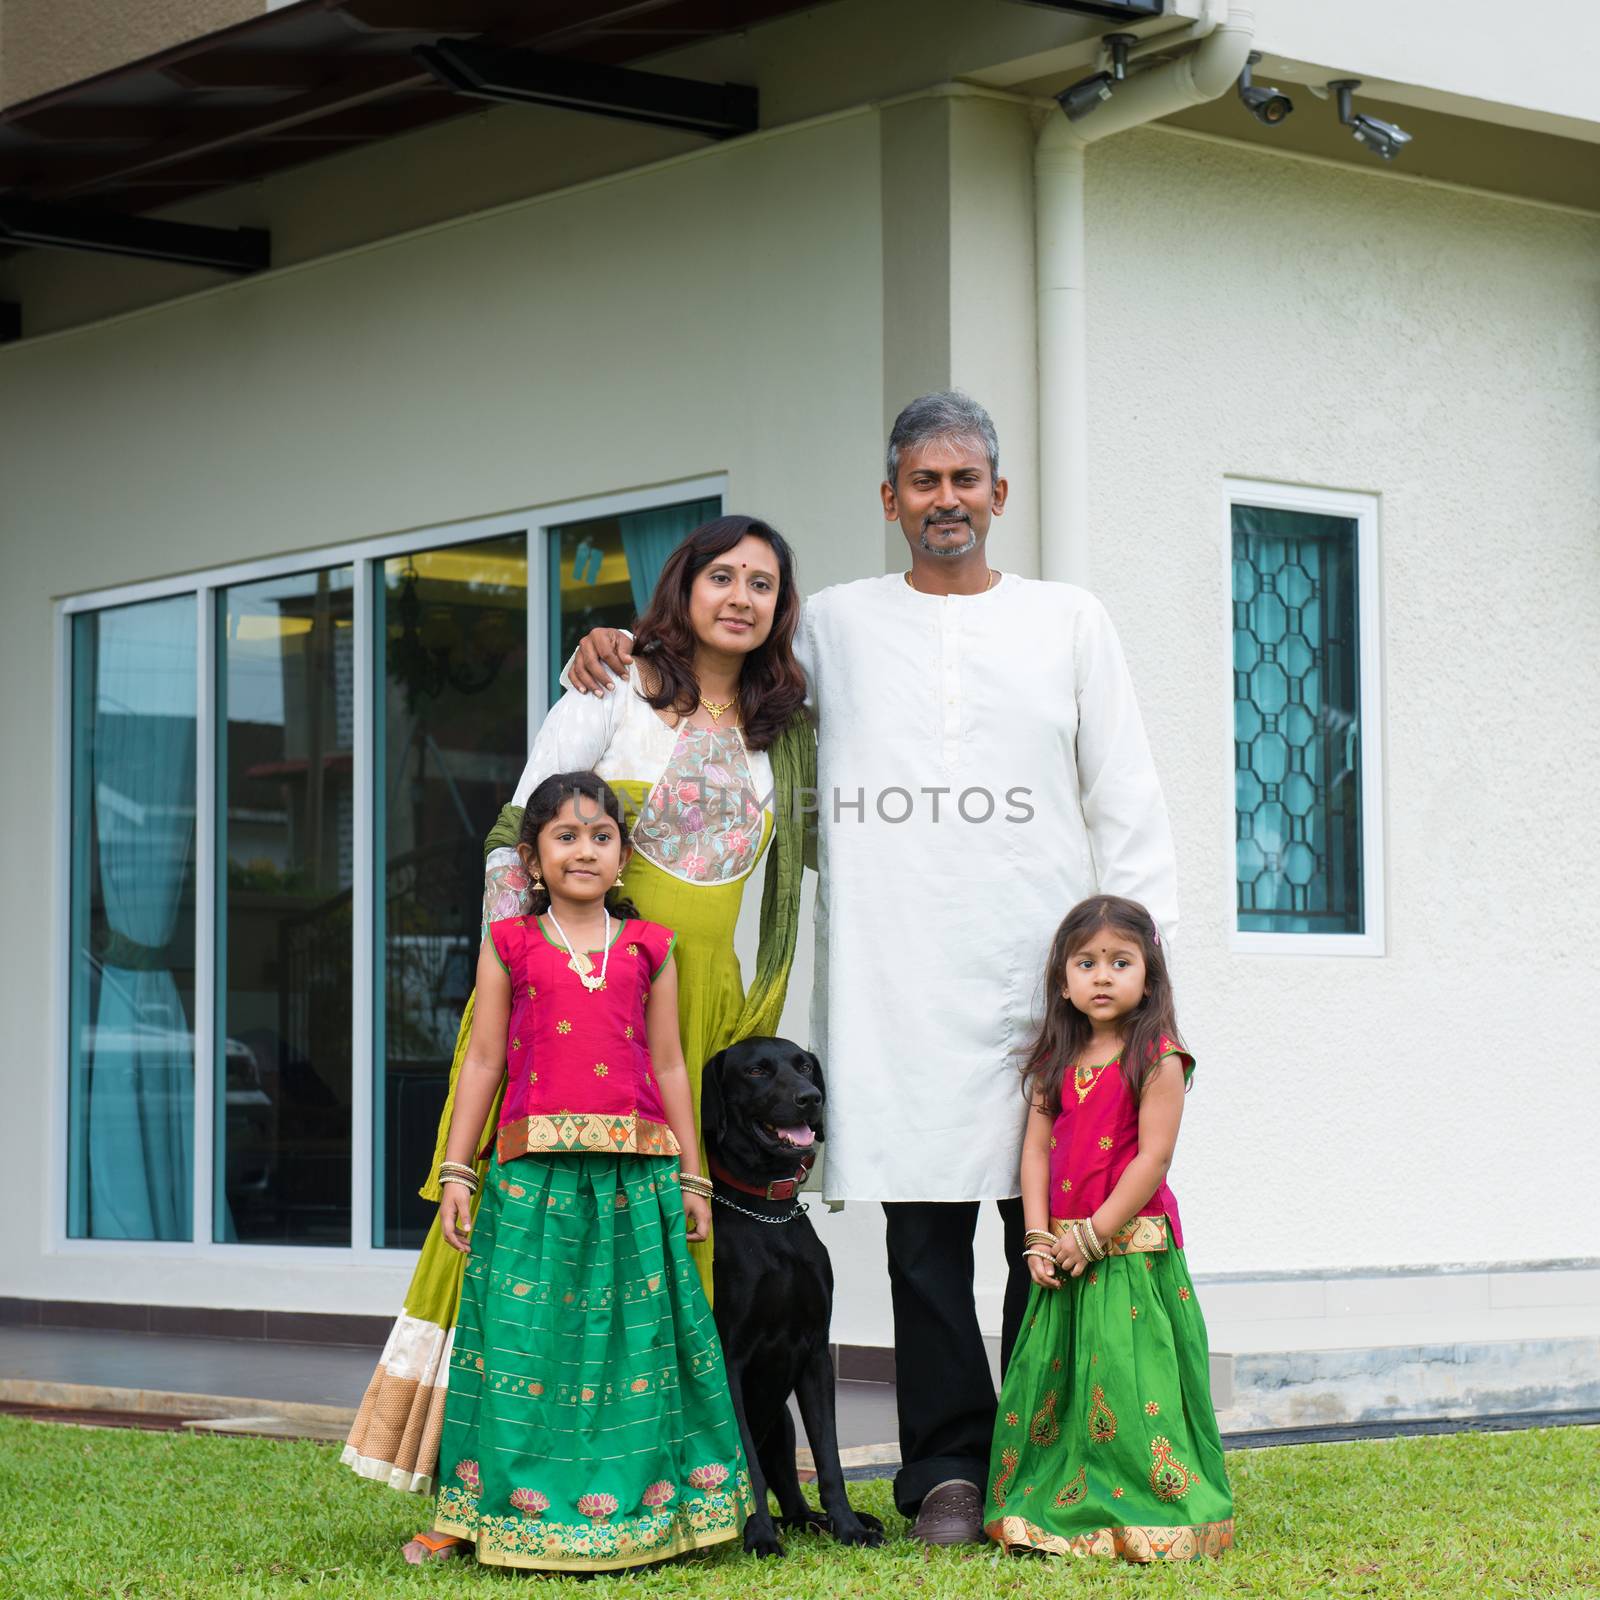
[
  {"x": 578, "y": 1069},
  {"x": 702, "y": 820},
  {"x": 1096, "y": 1135}
]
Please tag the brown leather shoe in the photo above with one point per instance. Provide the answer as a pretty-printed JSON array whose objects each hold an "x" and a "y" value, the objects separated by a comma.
[{"x": 951, "y": 1513}]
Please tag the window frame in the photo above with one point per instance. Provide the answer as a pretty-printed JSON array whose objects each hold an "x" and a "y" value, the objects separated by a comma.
[
  {"x": 363, "y": 556},
  {"x": 1363, "y": 510}
]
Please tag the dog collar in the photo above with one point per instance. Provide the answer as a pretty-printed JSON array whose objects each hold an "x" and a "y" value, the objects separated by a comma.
[{"x": 779, "y": 1189}]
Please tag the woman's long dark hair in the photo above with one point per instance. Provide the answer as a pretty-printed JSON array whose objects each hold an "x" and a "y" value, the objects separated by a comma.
[
  {"x": 544, "y": 805},
  {"x": 771, "y": 687},
  {"x": 1066, "y": 1032}
]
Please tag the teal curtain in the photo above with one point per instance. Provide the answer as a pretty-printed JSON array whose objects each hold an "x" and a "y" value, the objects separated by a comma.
[
  {"x": 1296, "y": 713},
  {"x": 649, "y": 537},
  {"x": 133, "y": 1041}
]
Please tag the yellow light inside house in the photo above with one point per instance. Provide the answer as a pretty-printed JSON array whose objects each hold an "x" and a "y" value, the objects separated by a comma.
[{"x": 262, "y": 627}]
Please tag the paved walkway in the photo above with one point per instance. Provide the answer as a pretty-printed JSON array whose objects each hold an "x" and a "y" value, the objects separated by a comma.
[{"x": 312, "y": 1390}]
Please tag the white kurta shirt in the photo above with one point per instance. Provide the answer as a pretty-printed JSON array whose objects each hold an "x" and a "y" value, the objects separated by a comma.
[{"x": 982, "y": 767}]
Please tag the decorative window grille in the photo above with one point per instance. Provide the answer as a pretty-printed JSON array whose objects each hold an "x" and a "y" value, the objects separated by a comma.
[{"x": 1297, "y": 722}]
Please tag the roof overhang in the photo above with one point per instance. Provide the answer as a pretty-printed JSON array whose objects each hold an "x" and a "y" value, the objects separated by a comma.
[{"x": 79, "y": 164}]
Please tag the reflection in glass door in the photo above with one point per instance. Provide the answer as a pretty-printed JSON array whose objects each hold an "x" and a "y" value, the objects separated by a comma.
[
  {"x": 603, "y": 570},
  {"x": 450, "y": 631},
  {"x": 132, "y": 999},
  {"x": 285, "y": 820}
]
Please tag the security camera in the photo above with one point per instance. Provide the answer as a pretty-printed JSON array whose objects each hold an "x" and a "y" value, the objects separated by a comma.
[
  {"x": 1383, "y": 139},
  {"x": 1269, "y": 106},
  {"x": 1089, "y": 93},
  {"x": 1085, "y": 96},
  {"x": 1380, "y": 137}
]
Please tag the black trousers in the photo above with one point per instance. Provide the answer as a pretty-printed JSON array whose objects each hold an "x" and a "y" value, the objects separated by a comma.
[{"x": 944, "y": 1393}]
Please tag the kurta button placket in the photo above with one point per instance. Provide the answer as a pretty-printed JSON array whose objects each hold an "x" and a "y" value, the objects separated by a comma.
[{"x": 950, "y": 658}]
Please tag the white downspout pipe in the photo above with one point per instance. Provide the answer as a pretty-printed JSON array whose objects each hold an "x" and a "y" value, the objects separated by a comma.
[{"x": 1062, "y": 276}]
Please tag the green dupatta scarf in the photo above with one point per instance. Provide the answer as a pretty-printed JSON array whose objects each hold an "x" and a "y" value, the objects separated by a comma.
[{"x": 794, "y": 775}]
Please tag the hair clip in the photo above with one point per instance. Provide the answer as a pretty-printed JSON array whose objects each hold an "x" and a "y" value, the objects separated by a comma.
[{"x": 1155, "y": 935}]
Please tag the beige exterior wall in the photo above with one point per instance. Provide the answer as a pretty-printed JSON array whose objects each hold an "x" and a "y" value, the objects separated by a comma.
[{"x": 45, "y": 44}]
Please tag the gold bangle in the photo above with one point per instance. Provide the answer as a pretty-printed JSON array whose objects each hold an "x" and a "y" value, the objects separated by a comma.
[
  {"x": 1076, "y": 1231},
  {"x": 469, "y": 1184},
  {"x": 1040, "y": 1251},
  {"x": 1038, "y": 1236},
  {"x": 1094, "y": 1239},
  {"x": 695, "y": 1184},
  {"x": 457, "y": 1166}
]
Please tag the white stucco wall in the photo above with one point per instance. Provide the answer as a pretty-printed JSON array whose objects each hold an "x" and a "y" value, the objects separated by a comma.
[{"x": 1291, "y": 322}]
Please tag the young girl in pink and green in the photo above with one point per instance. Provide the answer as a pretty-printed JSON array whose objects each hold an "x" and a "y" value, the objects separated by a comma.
[
  {"x": 1106, "y": 1442},
  {"x": 588, "y": 1424}
]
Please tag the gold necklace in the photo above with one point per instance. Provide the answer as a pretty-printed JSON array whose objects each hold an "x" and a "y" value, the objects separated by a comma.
[{"x": 718, "y": 711}]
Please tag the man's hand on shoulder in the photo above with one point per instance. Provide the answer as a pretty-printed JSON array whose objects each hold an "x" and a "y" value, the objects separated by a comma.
[{"x": 601, "y": 660}]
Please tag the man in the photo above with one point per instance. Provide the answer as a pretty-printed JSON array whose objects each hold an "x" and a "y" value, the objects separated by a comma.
[{"x": 981, "y": 767}]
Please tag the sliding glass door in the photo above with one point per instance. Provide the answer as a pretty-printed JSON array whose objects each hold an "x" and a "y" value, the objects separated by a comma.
[
  {"x": 451, "y": 638},
  {"x": 131, "y": 965},
  {"x": 285, "y": 830},
  {"x": 281, "y": 778}
]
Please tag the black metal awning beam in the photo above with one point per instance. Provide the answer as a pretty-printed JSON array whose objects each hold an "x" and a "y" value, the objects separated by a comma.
[
  {"x": 1111, "y": 10},
  {"x": 108, "y": 233},
  {"x": 717, "y": 110}
]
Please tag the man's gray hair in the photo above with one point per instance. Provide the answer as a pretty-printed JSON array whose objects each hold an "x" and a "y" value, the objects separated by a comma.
[{"x": 946, "y": 414}]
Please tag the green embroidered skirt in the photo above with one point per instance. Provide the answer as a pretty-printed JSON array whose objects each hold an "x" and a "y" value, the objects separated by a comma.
[
  {"x": 1106, "y": 1442},
  {"x": 587, "y": 1424}
]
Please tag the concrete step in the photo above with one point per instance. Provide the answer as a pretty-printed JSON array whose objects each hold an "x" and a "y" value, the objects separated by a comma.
[
  {"x": 1298, "y": 1388},
  {"x": 1308, "y": 1350}
]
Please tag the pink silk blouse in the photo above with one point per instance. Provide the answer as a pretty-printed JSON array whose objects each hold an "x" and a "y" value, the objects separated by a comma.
[
  {"x": 1096, "y": 1135},
  {"x": 578, "y": 1073}
]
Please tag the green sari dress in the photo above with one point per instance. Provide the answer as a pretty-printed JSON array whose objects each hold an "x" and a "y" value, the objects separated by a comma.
[{"x": 396, "y": 1435}]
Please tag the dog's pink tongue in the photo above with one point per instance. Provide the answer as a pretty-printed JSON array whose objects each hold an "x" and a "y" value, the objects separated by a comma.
[{"x": 801, "y": 1136}]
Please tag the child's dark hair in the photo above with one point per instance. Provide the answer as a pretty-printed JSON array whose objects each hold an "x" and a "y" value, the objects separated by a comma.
[
  {"x": 1066, "y": 1031},
  {"x": 544, "y": 805}
]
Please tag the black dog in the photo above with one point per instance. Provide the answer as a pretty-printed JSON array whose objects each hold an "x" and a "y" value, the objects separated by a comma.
[{"x": 761, "y": 1113}]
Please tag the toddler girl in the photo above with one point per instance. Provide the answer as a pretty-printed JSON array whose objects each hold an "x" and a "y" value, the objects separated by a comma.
[{"x": 1106, "y": 1442}]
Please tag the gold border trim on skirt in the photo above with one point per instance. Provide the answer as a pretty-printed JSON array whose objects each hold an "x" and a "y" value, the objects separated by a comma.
[
  {"x": 532, "y": 1546},
  {"x": 1183, "y": 1543},
  {"x": 588, "y": 1133},
  {"x": 1137, "y": 1236}
]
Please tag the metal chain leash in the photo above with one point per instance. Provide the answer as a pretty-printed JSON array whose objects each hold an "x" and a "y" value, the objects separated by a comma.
[{"x": 800, "y": 1210}]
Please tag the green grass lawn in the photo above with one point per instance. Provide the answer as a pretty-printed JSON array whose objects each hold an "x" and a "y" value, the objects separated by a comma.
[{"x": 103, "y": 1512}]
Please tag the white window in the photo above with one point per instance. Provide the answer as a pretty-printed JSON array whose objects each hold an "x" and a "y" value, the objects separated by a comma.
[{"x": 1307, "y": 771}]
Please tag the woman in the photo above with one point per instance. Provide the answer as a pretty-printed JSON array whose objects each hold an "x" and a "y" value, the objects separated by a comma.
[{"x": 708, "y": 744}]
